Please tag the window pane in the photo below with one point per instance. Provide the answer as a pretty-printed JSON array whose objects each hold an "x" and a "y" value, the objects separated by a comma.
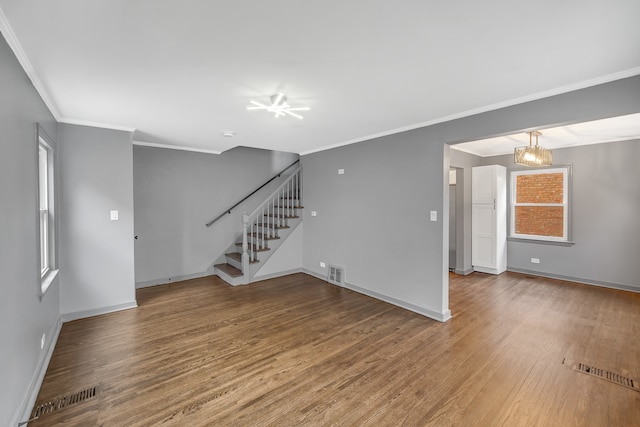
[
  {"x": 44, "y": 194},
  {"x": 540, "y": 188},
  {"x": 540, "y": 220},
  {"x": 44, "y": 241},
  {"x": 42, "y": 176}
]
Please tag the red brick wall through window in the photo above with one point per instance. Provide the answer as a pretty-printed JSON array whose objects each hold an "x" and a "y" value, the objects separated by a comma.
[{"x": 540, "y": 220}]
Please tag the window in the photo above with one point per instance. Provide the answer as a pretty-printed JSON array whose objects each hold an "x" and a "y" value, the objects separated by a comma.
[
  {"x": 539, "y": 204},
  {"x": 46, "y": 213},
  {"x": 43, "y": 188}
]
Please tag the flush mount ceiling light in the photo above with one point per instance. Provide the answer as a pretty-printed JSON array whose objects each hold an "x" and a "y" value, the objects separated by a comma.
[
  {"x": 532, "y": 155},
  {"x": 278, "y": 106}
]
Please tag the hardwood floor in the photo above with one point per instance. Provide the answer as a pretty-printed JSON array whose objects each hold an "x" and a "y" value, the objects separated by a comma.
[{"x": 298, "y": 351}]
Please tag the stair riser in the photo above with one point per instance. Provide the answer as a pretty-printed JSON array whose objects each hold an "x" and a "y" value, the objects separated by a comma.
[
  {"x": 295, "y": 209},
  {"x": 234, "y": 263},
  {"x": 261, "y": 241},
  {"x": 258, "y": 242},
  {"x": 251, "y": 248},
  {"x": 233, "y": 281},
  {"x": 267, "y": 227}
]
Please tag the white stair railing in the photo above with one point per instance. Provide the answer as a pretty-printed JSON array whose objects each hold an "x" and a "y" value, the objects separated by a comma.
[{"x": 263, "y": 223}]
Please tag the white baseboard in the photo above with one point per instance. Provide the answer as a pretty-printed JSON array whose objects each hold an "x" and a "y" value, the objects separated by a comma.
[
  {"x": 38, "y": 376},
  {"x": 464, "y": 272},
  {"x": 576, "y": 280},
  {"x": 314, "y": 274},
  {"x": 278, "y": 274},
  {"x": 167, "y": 280},
  {"x": 440, "y": 317},
  {"x": 68, "y": 317}
]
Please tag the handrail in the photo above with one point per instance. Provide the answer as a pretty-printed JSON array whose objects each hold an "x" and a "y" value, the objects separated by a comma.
[
  {"x": 271, "y": 196},
  {"x": 228, "y": 211}
]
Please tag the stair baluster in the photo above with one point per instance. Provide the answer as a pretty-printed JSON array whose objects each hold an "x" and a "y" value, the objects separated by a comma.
[
  {"x": 262, "y": 229},
  {"x": 245, "y": 254}
]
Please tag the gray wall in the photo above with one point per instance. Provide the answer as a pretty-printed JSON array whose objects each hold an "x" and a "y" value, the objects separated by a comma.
[
  {"x": 23, "y": 316},
  {"x": 177, "y": 192},
  {"x": 374, "y": 219},
  {"x": 97, "y": 259},
  {"x": 463, "y": 162},
  {"x": 605, "y": 225}
]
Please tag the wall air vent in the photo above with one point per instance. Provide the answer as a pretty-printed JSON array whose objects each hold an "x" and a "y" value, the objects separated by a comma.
[{"x": 336, "y": 275}]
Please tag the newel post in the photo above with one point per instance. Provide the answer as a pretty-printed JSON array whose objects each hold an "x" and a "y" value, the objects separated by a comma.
[{"x": 245, "y": 248}]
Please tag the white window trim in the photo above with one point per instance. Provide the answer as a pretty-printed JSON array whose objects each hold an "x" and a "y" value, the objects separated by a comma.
[
  {"x": 49, "y": 273},
  {"x": 566, "y": 203}
]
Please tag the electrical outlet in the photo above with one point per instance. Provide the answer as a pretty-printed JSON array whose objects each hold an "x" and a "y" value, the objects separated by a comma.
[
  {"x": 314, "y": 213},
  {"x": 535, "y": 260},
  {"x": 323, "y": 265},
  {"x": 43, "y": 340},
  {"x": 340, "y": 171}
]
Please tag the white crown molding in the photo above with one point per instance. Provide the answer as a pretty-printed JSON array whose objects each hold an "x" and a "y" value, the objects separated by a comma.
[
  {"x": 176, "y": 147},
  {"x": 96, "y": 124},
  {"x": 466, "y": 150},
  {"x": 15, "y": 45},
  {"x": 20, "y": 54},
  {"x": 509, "y": 103}
]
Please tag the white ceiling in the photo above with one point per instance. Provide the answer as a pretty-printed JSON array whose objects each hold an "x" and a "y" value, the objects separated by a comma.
[
  {"x": 182, "y": 72},
  {"x": 620, "y": 128}
]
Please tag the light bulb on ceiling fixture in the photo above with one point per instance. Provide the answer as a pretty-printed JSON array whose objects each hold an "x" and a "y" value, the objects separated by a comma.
[
  {"x": 279, "y": 106},
  {"x": 532, "y": 155}
]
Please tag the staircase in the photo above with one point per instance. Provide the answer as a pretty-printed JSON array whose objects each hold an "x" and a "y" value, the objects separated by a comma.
[{"x": 263, "y": 231}]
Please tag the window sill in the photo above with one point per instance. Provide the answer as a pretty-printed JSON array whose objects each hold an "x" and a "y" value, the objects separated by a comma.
[
  {"x": 542, "y": 242},
  {"x": 47, "y": 280}
]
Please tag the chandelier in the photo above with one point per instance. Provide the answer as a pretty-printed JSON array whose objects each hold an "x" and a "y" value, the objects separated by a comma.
[
  {"x": 278, "y": 106},
  {"x": 532, "y": 155}
]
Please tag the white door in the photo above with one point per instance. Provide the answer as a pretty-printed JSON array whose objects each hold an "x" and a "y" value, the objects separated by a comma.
[{"x": 483, "y": 246}]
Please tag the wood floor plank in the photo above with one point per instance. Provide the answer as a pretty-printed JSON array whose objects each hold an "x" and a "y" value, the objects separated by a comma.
[{"x": 299, "y": 351}]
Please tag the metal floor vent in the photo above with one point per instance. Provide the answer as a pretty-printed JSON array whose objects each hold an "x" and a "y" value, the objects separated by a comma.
[
  {"x": 607, "y": 375},
  {"x": 336, "y": 275},
  {"x": 63, "y": 401}
]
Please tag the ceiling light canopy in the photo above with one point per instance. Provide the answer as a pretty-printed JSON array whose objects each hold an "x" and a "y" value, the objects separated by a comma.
[
  {"x": 278, "y": 106},
  {"x": 532, "y": 155}
]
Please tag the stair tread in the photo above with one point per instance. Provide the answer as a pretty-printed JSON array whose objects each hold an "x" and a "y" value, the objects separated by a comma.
[
  {"x": 229, "y": 270},
  {"x": 238, "y": 257},
  {"x": 255, "y": 248},
  {"x": 282, "y": 216},
  {"x": 277, "y": 227},
  {"x": 263, "y": 236},
  {"x": 291, "y": 207}
]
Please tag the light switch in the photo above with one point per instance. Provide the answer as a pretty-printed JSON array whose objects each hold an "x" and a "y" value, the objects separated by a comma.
[
  {"x": 323, "y": 265},
  {"x": 433, "y": 215},
  {"x": 314, "y": 213},
  {"x": 340, "y": 171},
  {"x": 114, "y": 215}
]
